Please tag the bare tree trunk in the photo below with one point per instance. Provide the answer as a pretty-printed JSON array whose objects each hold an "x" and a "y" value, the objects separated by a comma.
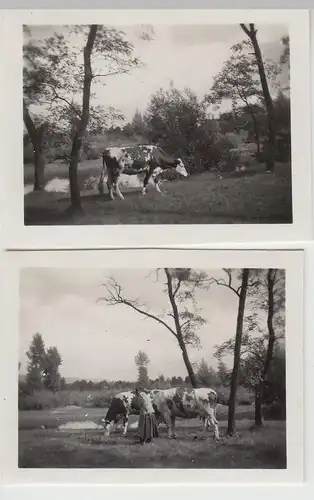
[
  {"x": 188, "y": 365},
  {"x": 256, "y": 133},
  {"x": 271, "y": 276},
  {"x": 251, "y": 33},
  {"x": 36, "y": 137},
  {"x": 76, "y": 206},
  {"x": 237, "y": 349},
  {"x": 181, "y": 342},
  {"x": 258, "y": 405},
  {"x": 39, "y": 163}
]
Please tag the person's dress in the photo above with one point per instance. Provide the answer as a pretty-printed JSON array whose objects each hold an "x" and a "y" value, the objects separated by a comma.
[{"x": 147, "y": 426}]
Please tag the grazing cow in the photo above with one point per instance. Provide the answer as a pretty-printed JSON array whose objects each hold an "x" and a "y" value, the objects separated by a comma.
[
  {"x": 187, "y": 403},
  {"x": 168, "y": 404},
  {"x": 134, "y": 160},
  {"x": 121, "y": 406}
]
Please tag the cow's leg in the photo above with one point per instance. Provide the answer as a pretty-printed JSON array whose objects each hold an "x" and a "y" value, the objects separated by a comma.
[
  {"x": 117, "y": 189},
  {"x": 110, "y": 189},
  {"x": 110, "y": 181},
  {"x": 125, "y": 424},
  {"x": 145, "y": 182},
  {"x": 173, "y": 423},
  {"x": 168, "y": 420},
  {"x": 101, "y": 181},
  {"x": 156, "y": 181},
  {"x": 213, "y": 422},
  {"x": 205, "y": 423}
]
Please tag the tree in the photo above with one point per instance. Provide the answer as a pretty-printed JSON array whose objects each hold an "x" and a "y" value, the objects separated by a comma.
[
  {"x": 179, "y": 286},
  {"x": 53, "y": 74},
  {"x": 285, "y": 55},
  {"x": 52, "y": 377},
  {"x": 82, "y": 121},
  {"x": 252, "y": 34},
  {"x": 258, "y": 342},
  {"x": 141, "y": 361},
  {"x": 36, "y": 362},
  {"x": 223, "y": 373},
  {"x": 138, "y": 125},
  {"x": 236, "y": 359},
  {"x": 206, "y": 375},
  {"x": 239, "y": 83},
  {"x": 241, "y": 292},
  {"x": 177, "y": 121},
  {"x": 36, "y": 136},
  {"x": 273, "y": 306}
]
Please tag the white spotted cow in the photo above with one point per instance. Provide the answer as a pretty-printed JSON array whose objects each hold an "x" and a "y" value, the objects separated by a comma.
[
  {"x": 187, "y": 403},
  {"x": 134, "y": 160}
]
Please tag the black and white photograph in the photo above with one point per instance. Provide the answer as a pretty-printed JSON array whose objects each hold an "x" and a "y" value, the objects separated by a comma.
[
  {"x": 179, "y": 124},
  {"x": 153, "y": 368},
  {"x": 154, "y": 123},
  {"x": 158, "y": 367}
]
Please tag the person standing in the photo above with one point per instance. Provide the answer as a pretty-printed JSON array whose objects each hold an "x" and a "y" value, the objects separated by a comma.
[{"x": 147, "y": 426}]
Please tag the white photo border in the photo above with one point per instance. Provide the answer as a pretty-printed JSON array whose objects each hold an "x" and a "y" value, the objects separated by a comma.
[
  {"x": 18, "y": 236},
  {"x": 291, "y": 260}
]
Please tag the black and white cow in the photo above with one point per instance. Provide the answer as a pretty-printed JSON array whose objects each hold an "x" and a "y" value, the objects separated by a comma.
[
  {"x": 134, "y": 160},
  {"x": 122, "y": 406}
]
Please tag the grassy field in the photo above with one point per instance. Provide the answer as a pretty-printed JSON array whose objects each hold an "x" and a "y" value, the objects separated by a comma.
[
  {"x": 256, "y": 197},
  {"x": 49, "y": 447}
]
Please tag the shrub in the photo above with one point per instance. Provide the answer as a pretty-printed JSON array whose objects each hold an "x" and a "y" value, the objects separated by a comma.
[
  {"x": 244, "y": 397},
  {"x": 227, "y": 153},
  {"x": 101, "y": 402}
]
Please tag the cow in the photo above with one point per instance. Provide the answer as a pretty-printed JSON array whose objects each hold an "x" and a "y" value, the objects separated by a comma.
[
  {"x": 122, "y": 406},
  {"x": 168, "y": 404},
  {"x": 134, "y": 160},
  {"x": 187, "y": 403}
]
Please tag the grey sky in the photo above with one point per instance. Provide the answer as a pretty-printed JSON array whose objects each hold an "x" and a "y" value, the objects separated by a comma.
[
  {"x": 187, "y": 55},
  {"x": 97, "y": 341}
]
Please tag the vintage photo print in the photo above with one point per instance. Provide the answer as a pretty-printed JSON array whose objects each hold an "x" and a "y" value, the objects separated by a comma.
[
  {"x": 185, "y": 120},
  {"x": 174, "y": 362}
]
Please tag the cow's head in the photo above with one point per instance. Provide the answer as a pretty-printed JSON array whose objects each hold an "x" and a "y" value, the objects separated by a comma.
[
  {"x": 180, "y": 168},
  {"x": 117, "y": 410},
  {"x": 107, "y": 425}
]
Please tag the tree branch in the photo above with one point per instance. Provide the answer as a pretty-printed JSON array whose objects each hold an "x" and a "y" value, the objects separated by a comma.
[
  {"x": 57, "y": 96},
  {"x": 118, "y": 72},
  {"x": 221, "y": 282},
  {"x": 256, "y": 354},
  {"x": 118, "y": 299},
  {"x": 245, "y": 29}
]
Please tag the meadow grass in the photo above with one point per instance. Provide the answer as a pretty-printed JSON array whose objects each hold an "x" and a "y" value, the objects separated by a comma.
[
  {"x": 254, "y": 197},
  {"x": 49, "y": 447}
]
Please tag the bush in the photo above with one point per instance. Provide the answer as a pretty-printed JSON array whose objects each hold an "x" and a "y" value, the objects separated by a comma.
[
  {"x": 227, "y": 153},
  {"x": 44, "y": 399},
  {"x": 101, "y": 402},
  {"x": 244, "y": 396}
]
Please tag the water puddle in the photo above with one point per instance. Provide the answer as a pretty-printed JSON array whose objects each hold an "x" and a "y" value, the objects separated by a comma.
[{"x": 77, "y": 425}]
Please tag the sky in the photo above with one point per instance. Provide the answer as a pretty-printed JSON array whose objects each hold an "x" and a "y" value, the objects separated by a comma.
[
  {"x": 187, "y": 55},
  {"x": 98, "y": 341}
]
